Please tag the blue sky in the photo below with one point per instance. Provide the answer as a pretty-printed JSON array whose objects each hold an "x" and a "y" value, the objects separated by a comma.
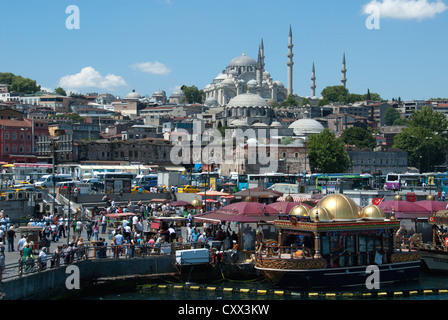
[{"x": 151, "y": 45}]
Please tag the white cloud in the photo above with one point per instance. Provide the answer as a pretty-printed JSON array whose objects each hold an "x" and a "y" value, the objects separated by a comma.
[
  {"x": 90, "y": 78},
  {"x": 151, "y": 67},
  {"x": 406, "y": 9}
]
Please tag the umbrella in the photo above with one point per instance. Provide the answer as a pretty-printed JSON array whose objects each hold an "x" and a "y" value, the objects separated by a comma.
[
  {"x": 404, "y": 209},
  {"x": 250, "y": 209},
  {"x": 213, "y": 193},
  {"x": 180, "y": 203},
  {"x": 286, "y": 206},
  {"x": 159, "y": 200},
  {"x": 433, "y": 206}
]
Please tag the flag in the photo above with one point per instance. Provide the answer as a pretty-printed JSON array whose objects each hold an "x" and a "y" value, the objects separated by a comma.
[{"x": 377, "y": 201}]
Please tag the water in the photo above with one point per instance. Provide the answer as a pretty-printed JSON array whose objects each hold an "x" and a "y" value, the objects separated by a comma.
[{"x": 425, "y": 288}]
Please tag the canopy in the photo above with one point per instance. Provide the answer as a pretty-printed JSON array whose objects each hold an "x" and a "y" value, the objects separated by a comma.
[
  {"x": 221, "y": 215},
  {"x": 258, "y": 193},
  {"x": 405, "y": 209},
  {"x": 433, "y": 206},
  {"x": 180, "y": 203},
  {"x": 213, "y": 193},
  {"x": 119, "y": 215}
]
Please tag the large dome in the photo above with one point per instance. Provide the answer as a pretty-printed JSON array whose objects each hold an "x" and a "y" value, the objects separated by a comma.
[
  {"x": 248, "y": 100},
  {"x": 306, "y": 126},
  {"x": 133, "y": 95},
  {"x": 242, "y": 61},
  {"x": 341, "y": 207}
]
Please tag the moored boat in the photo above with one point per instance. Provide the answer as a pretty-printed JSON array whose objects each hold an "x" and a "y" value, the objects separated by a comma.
[
  {"x": 435, "y": 255},
  {"x": 335, "y": 244}
]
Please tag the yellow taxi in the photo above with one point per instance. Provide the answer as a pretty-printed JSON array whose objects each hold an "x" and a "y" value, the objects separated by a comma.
[
  {"x": 136, "y": 189},
  {"x": 188, "y": 189}
]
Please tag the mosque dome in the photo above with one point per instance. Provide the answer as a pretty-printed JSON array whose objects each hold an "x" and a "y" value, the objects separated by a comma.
[
  {"x": 276, "y": 124},
  {"x": 340, "y": 207},
  {"x": 221, "y": 76},
  {"x": 252, "y": 83},
  {"x": 243, "y": 61},
  {"x": 299, "y": 210},
  {"x": 279, "y": 83},
  {"x": 228, "y": 81},
  {"x": 306, "y": 126},
  {"x": 178, "y": 93},
  {"x": 238, "y": 123},
  {"x": 133, "y": 95},
  {"x": 247, "y": 100},
  {"x": 372, "y": 212},
  {"x": 211, "y": 102}
]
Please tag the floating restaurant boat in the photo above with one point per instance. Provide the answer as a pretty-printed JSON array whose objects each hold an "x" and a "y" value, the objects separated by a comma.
[
  {"x": 435, "y": 255},
  {"x": 332, "y": 245}
]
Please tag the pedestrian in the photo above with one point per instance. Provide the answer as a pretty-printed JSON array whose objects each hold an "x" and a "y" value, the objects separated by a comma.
[
  {"x": 103, "y": 223},
  {"x": 43, "y": 258},
  {"x": 76, "y": 194},
  {"x": 96, "y": 230},
  {"x": 79, "y": 227},
  {"x": 11, "y": 234},
  {"x": 21, "y": 243},
  {"x": 2, "y": 258},
  {"x": 61, "y": 228},
  {"x": 89, "y": 230}
]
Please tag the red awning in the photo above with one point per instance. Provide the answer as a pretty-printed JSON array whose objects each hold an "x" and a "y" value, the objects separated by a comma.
[
  {"x": 219, "y": 215},
  {"x": 155, "y": 225},
  {"x": 119, "y": 215}
]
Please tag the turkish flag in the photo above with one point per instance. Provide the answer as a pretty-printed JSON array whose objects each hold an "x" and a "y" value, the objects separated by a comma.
[
  {"x": 377, "y": 201},
  {"x": 446, "y": 242}
]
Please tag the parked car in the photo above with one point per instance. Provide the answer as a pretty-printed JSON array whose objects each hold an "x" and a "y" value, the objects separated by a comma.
[
  {"x": 188, "y": 189},
  {"x": 136, "y": 189}
]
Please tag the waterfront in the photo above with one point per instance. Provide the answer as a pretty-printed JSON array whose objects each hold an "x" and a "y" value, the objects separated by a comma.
[{"x": 429, "y": 286}]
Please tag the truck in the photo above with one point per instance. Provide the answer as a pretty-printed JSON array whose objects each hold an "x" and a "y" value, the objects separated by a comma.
[{"x": 171, "y": 179}]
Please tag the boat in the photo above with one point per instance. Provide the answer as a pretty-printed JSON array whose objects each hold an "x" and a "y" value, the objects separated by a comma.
[
  {"x": 434, "y": 255},
  {"x": 335, "y": 244}
]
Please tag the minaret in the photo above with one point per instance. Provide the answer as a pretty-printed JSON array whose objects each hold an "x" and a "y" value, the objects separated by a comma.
[
  {"x": 313, "y": 83},
  {"x": 344, "y": 72},
  {"x": 260, "y": 66},
  {"x": 290, "y": 62}
]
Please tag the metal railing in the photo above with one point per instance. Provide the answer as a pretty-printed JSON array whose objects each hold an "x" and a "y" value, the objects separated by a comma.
[{"x": 90, "y": 252}]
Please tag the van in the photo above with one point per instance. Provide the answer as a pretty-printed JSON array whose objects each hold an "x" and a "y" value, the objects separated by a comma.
[
  {"x": 47, "y": 180},
  {"x": 94, "y": 183}
]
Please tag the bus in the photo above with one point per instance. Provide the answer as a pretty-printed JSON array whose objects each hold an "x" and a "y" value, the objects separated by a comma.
[
  {"x": 264, "y": 180},
  {"x": 337, "y": 182},
  {"x": 436, "y": 180},
  {"x": 145, "y": 181},
  {"x": 396, "y": 181},
  {"x": 206, "y": 180},
  {"x": 116, "y": 182}
]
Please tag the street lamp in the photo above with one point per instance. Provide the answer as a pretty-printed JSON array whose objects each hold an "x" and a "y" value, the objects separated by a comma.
[{"x": 26, "y": 145}]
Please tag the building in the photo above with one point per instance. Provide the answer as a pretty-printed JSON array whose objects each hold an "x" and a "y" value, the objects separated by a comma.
[
  {"x": 382, "y": 162},
  {"x": 19, "y": 138},
  {"x": 60, "y": 104},
  {"x": 147, "y": 151}
]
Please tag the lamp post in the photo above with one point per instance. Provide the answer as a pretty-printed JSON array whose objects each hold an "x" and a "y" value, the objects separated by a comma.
[{"x": 26, "y": 145}]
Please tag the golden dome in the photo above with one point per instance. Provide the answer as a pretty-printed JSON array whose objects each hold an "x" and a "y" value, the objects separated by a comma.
[
  {"x": 196, "y": 203},
  {"x": 248, "y": 199},
  {"x": 299, "y": 211},
  {"x": 340, "y": 207},
  {"x": 289, "y": 198},
  {"x": 322, "y": 214},
  {"x": 397, "y": 197},
  {"x": 372, "y": 212},
  {"x": 430, "y": 198}
]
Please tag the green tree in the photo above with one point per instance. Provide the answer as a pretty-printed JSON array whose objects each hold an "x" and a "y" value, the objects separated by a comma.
[
  {"x": 335, "y": 94},
  {"x": 289, "y": 102},
  {"x": 391, "y": 115},
  {"x": 193, "y": 94},
  {"x": 424, "y": 139},
  {"x": 358, "y": 137},
  {"x": 60, "y": 91},
  {"x": 327, "y": 153},
  {"x": 25, "y": 85}
]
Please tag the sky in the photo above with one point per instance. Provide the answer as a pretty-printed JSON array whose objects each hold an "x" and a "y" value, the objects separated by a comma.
[{"x": 396, "y": 48}]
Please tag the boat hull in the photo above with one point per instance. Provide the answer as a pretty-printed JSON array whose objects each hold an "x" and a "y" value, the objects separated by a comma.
[
  {"x": 434, "y": 260},
  {"x": 315, "y": 273}
]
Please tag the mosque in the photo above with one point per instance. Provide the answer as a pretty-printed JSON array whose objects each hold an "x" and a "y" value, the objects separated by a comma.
[{"x": 246, "y": 75}]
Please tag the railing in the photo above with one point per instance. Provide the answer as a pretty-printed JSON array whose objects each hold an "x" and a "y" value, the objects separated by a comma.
[{"x": 87, "y": 252}]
